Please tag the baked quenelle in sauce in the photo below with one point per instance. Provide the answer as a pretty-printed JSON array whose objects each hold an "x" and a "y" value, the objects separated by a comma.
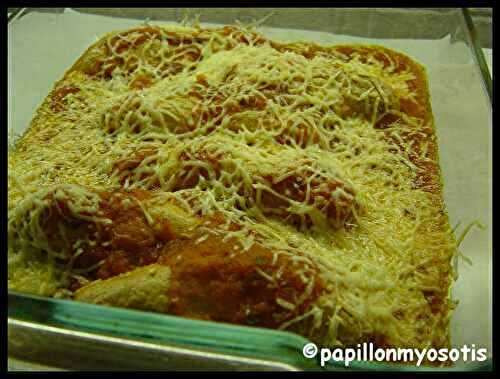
[{"x": 219, "y": 175}]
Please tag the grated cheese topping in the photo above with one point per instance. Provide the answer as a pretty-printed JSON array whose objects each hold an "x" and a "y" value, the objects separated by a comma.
[{"x": 283, "y": 140}]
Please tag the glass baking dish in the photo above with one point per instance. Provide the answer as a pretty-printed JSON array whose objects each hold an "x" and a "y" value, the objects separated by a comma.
[{"x": 71, "y": 335}]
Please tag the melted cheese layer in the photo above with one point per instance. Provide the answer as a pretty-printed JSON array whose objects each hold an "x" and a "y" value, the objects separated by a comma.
[{"x": 270, "y": 108}]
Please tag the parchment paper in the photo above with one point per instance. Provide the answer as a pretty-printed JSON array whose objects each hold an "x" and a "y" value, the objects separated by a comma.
[{"x": 43, "y": 45}]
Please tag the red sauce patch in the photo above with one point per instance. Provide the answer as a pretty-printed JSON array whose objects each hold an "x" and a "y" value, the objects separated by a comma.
[
  {"x": 141, "y": 82},
  {"x": 213, "y": 281},
  {"x": 58, "y": 103}
]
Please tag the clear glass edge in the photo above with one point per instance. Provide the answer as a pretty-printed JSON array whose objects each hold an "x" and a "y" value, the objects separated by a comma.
[
  {"x": 201, "y": 334},
  {"x": 477, "y": 52},
  {"x": 162, "y": 329},
  {"x": 248, "y": 342}
]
